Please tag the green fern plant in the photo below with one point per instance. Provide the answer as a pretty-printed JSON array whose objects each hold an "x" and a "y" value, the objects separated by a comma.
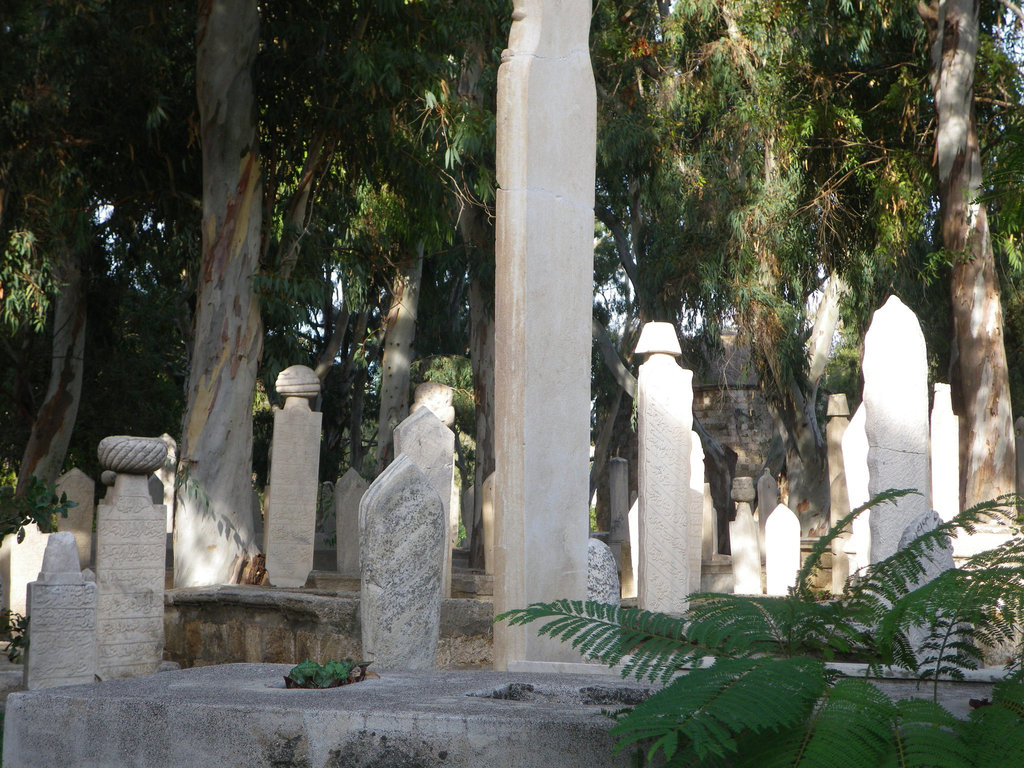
[{"x": 758, "y": 690}]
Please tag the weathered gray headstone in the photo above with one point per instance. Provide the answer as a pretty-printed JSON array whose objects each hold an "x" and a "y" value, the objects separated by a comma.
[
  {"x": 695, "y": 510},
  {"x": 618, "y": 533},
  {"x": 437, "y": 398},
  {"x": 295, "y": 464},
  {"x": 347, "y": 493},
  {"x": 664, "y": 427},
  {"x": 131, "y": 534},
  {"x": 468, "y": 500},
  {"x": 19, "y": 564},
  {"x": 839, "y": 500},
  {"x": 402, "y": 541},
  {"x": 744, "y": 540},
  {"x": 62, "y": 632},
  {"x": 855, "y": 465},
  {"x": 80, "y": 489},
  {"x": 945, "y": 454},
  {"x": 544, "y": 245},
  {"x": 935, "y": 561},
  {"x": 896, "y": 409},
  {"x": 431, "y": 445},
  {"x": 782, "y": 550},
  {"x": 602, "y": 580}
]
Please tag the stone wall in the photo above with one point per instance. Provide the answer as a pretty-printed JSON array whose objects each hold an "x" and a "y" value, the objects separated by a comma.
[
  {"x": 737, "y": 417},
  {"x": 231, "y": 624}
]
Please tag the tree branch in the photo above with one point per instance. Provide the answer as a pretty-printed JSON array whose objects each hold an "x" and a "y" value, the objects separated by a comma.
[
  {"x": 1014, "y": 9},
  {"x": 625, "y": 379}
]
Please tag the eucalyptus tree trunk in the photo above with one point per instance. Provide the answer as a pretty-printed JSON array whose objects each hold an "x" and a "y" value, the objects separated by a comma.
[
  {"x": 979, "y": 376},
  {"x": 399, "y": 334},
  {"x": 54, "y": 421},
  {"x": 214, "y": 513}
]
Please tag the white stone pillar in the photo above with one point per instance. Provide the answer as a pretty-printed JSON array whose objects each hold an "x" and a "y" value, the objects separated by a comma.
[
  {"x": 294, "y": 471},
  {"x": 782, "y": 550},
  {"x": 839, "y": 501},
  {"x": 19, "y": 564},
  {"x": 695, "y": 510},
  {"x": 489, "y": 525},
  {"x": 896, "y": 410},
  {"x": 545, "y": 160},
  {"x": 167, "y": 475},
  {"x": 431, "y": 446},
  {"x": 81, "y": 489},
  {"x": 855, "y": 465},
  {"x": 131, "y": 535},
  {"x": 62, "y": 632},
  {"x": 945, "y": 453},
  {"x": 743, "y": 540},
  {"x": 668, "y": 533},
  {"x": 348, "y": 491}
]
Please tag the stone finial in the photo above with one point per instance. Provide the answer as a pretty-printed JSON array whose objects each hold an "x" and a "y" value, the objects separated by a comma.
[
  {"x": 436, "y": 397},
  {"x": 60, "y": 560},
  {"x": 129, "y": 455},
  {"x": 297, "y": 381},
  {"x": 108, "y": 478},
  {"x": 743, "y": 489},
  {"x": 837, "y": 405},
  {"x": 658, "y": 338}
]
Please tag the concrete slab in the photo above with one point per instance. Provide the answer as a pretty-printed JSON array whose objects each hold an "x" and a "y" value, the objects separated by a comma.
[{"x": 241, "y": 715}]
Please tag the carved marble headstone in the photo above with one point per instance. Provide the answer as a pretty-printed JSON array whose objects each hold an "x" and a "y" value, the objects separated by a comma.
[
  {"x": 544, "y": 245},
  {"x": 664, "y": 427},
  {"x": 945, "y": 455},
  {"x": 602, "y": 579},
  {"x": 62, "y": 632},
  {"x": 855, "y": 465},
  {"x": 348, "y": 491},
  {"x": 295, "y": 464},
  {"x": 81, "y": 489},
  {"x": 431, "y": 446},
  {"x": 782, "y": 550},
  {"x": 896, "y": 405},
  {"x": 839, "y": 501},
  {"x": 402, "y": 538},
  {"x": 19, "y": 564},
  {"x": 130, "y": 561},
  {"x": 743, "y": 540}
]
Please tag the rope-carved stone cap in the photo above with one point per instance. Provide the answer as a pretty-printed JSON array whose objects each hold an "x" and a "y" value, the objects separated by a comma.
[
  {"x": 297, "y": 381},
  {"x": 132, "y": 455}
]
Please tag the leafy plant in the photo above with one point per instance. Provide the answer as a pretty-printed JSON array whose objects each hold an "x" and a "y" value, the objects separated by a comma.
[
  {"x": 759, "y": 691},
  {"x": 37, "y": 503},
  {"x": 14, "y": 626},
  {"x": 330, "y": 674}
]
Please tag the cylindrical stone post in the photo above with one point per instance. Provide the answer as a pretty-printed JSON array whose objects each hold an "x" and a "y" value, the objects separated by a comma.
[
  {"x": 743, "y": 540},
  {"x": 839, "y": 501},
  {"x": 664, "y": 428}
]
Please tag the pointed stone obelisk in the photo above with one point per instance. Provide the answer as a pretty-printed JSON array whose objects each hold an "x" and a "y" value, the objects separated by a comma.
[
  {"x": 294, "y": 470},
  {"x": 896, "y": 411},
  {"x": 668, "y": 531},
  {"x": 544, "y": 284},
  {"x": 945, "y": 453},
  {"x": 781, "y": 550}
]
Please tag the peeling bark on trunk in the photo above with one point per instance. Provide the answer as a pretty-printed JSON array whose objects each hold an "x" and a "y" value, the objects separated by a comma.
[
  {"x": 400, "y": 332},
  {"x": 979, "y": 376},
  {"x": 54, "y": 421},
  {"x": 214, "y": 520}
]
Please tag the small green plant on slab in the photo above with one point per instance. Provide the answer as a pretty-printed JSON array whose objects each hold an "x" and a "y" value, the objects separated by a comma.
[{"x": 331, "y": 674}]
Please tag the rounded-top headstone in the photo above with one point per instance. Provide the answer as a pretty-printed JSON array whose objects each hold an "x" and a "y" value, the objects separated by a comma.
[
  {"x": 658, "y": 338},
  {"x": 129, "y": 455},
  {"x": 602, "y": 574},
  {"x": 298, "y": 381},
  {"x": 743, "y": 489},
  {"x": 436, "y": 397},
  {"x": 60, "y": 560}
]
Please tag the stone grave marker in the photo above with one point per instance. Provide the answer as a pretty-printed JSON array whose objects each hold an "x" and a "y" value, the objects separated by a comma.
[
  {"x": 855, "y": 465},
  {"x": 348, "y": 492},
  {"x": 945, "y": 455},
  {"x": 602, "y": 579},
  {"x": 782, "y": 550},
  {"x": 743, "y": 540},
  {"x": 130, "y": 561},
  {"x": 295, "y": 464},
  {"x": 81, "y": 489},
  {"x": 664, "y": 426},
  {"x": 488, "y": 522},
  {"x": 402, "y": 540},
  {"x": 767, "y": 501},
  {"x": 19, "y": 564},
  {"x": 633, "y": 548},
  {"x": 62, "y": 631},
  {"x": 896, "y": 410},
  {"x": 695, "y": 510},
  {"x": 431, "y": 446},
  {"x": 167, "y": 474},
  {"x": 618, "y": 534},
  {"x": 839, "y": 501}
]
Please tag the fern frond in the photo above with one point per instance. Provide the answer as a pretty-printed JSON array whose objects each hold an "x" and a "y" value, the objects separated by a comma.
[
  {"x": 995, "y": 733},
  {"x": 702, "y": 713},
  {"x": 925, "y": 735}
]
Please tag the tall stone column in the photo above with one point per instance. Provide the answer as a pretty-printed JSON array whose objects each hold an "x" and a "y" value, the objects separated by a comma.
[
  {"x": 896, "y": 409},
  {"x": 294, "y": 470},
  {"x": 546, "y": 139},
  {"x": 668, "y": 532},
  {"x": 131, "y": 536},
  {"x": 838, "y": 421},
  {"x": 945, "y": 454}
]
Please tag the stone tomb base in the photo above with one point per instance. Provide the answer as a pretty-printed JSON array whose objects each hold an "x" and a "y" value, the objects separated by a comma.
[{"x": 242, "y": 715}]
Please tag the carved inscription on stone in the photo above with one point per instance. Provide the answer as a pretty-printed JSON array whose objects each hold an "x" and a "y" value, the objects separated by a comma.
[
  {"x": 62, "y": 648},
  {"x": 130, "y": 543}
]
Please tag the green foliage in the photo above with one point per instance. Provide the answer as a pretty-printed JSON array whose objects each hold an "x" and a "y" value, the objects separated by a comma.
[
  {"x": 330, "y": 674},
  {"x": 14, "y": 626},
  {"x": 36, "y": 502},
  {"x": 759, "y": 691}
]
